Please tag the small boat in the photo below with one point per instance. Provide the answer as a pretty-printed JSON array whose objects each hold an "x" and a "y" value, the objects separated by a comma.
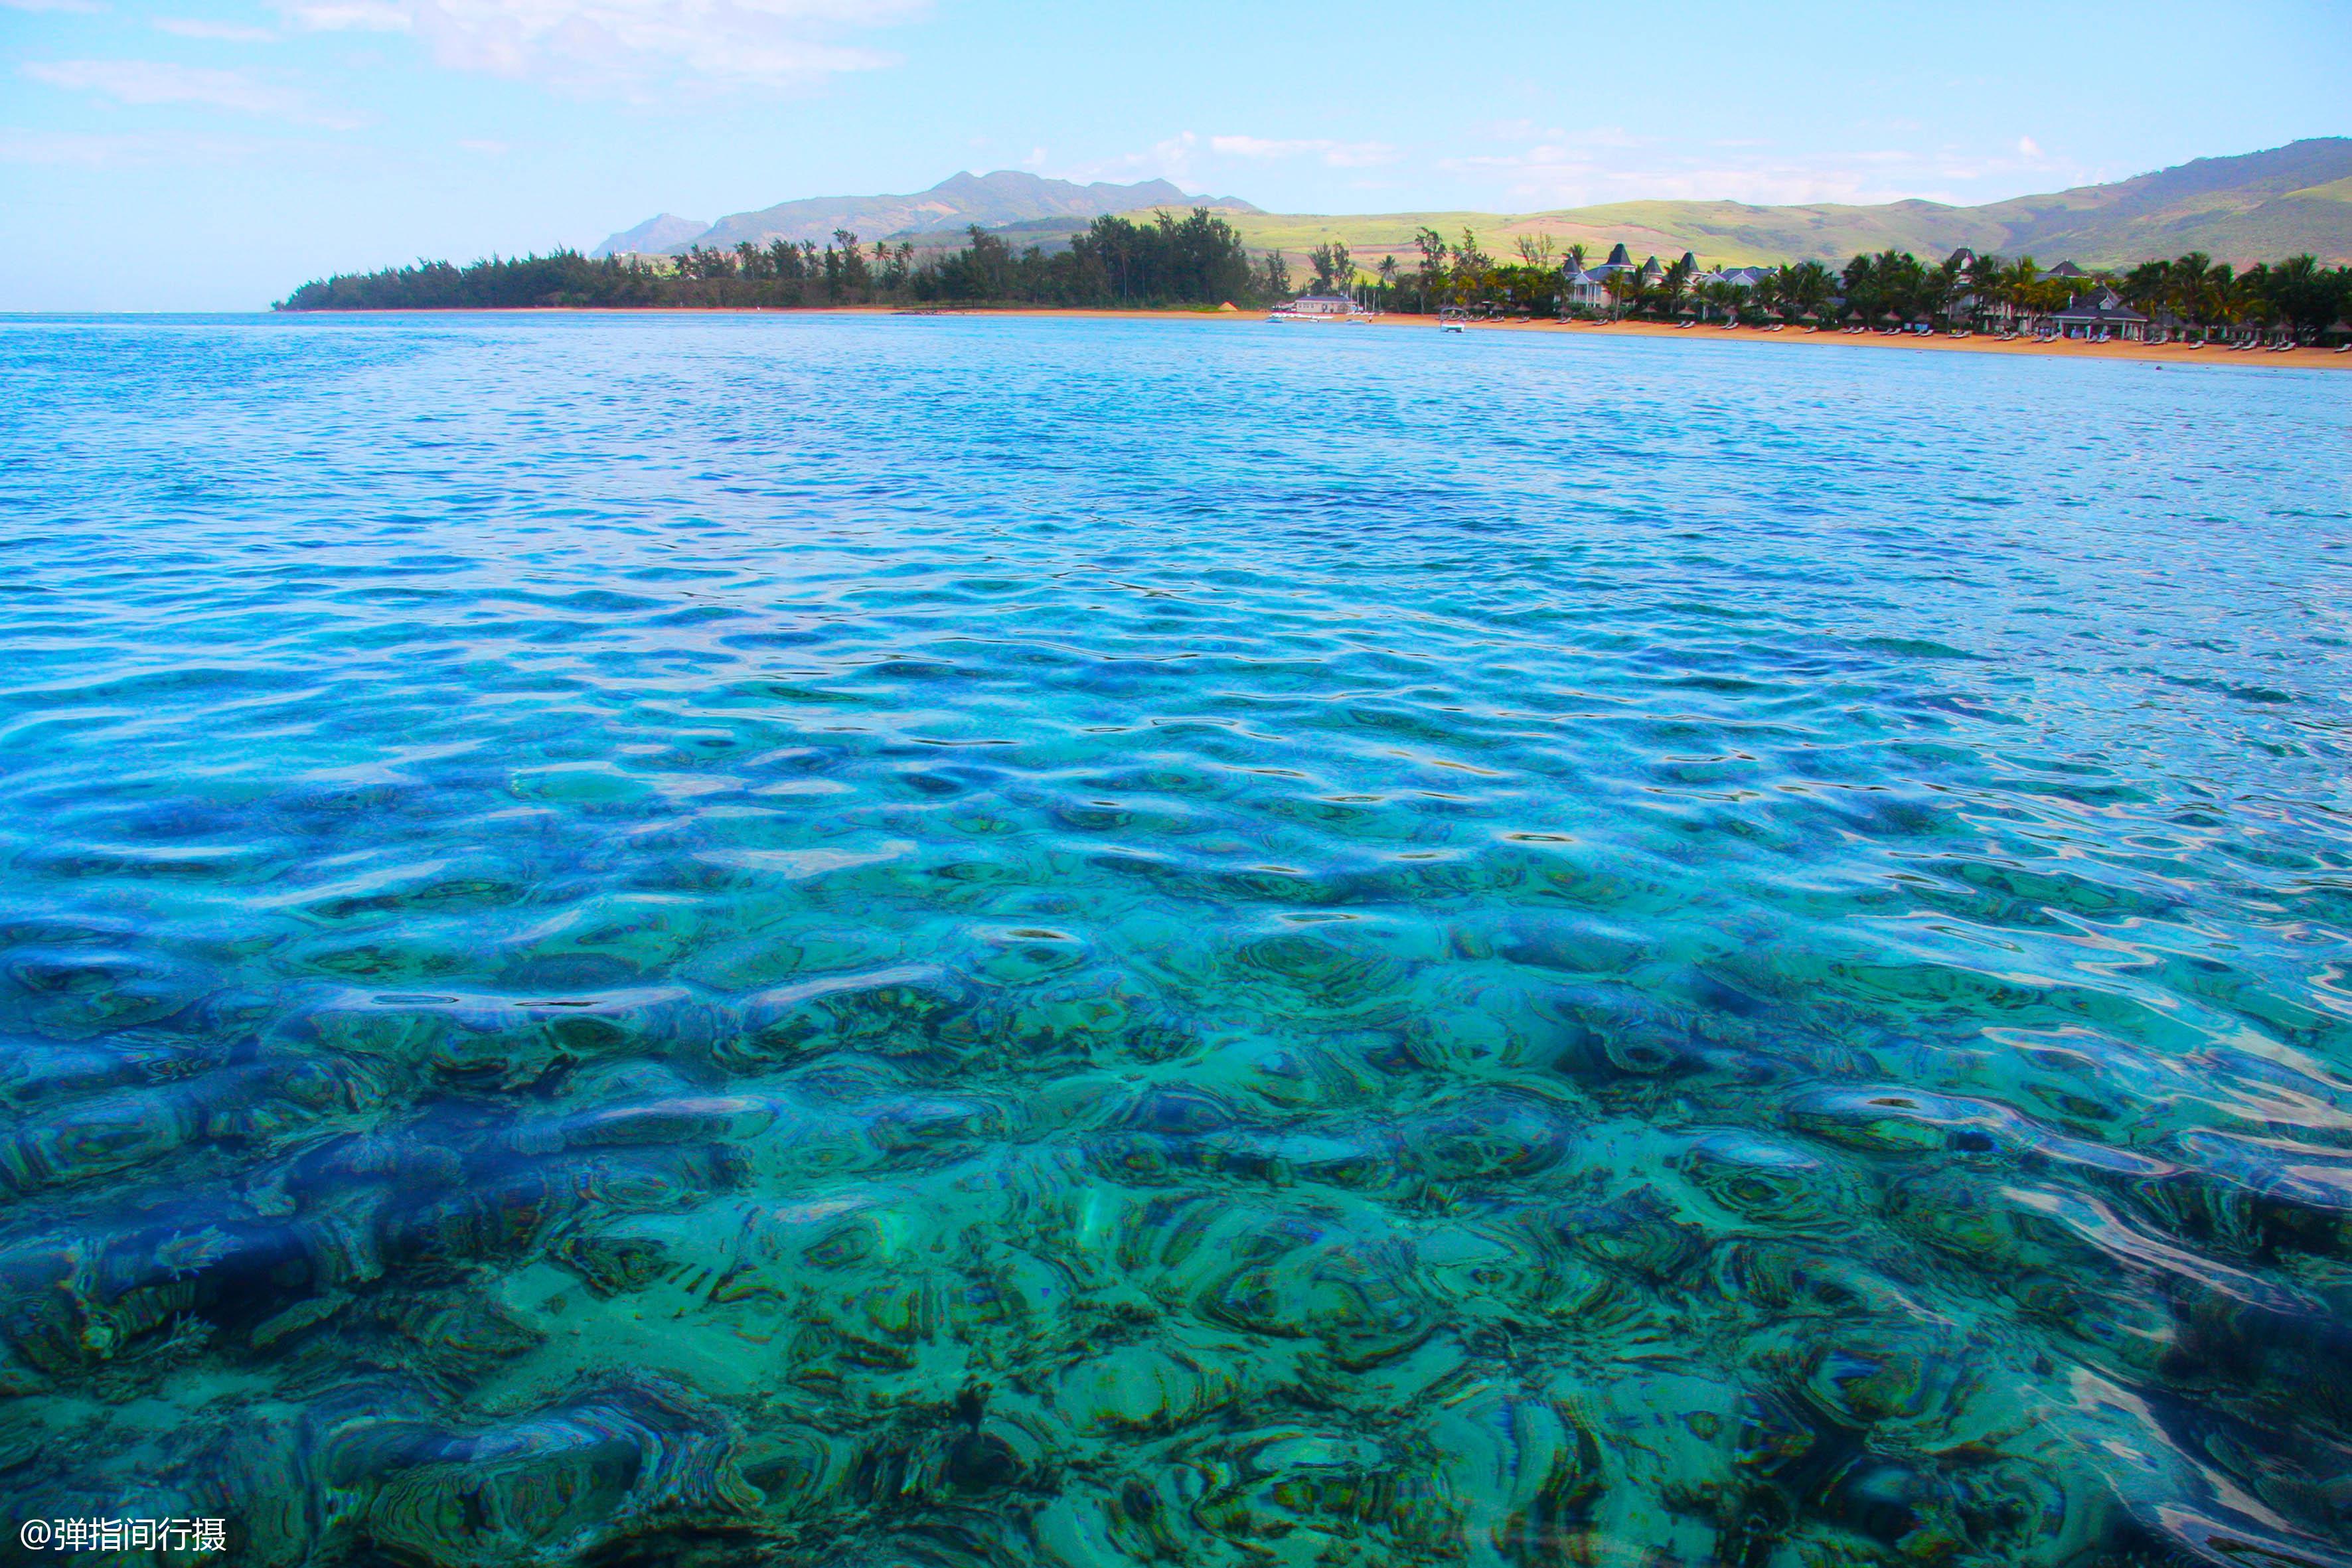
[
  {"x": 1453, "y": 319},
  {"x": 1318, "y": 308}
]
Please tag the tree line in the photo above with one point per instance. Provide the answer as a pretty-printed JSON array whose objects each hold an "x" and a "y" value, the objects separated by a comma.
[
  {"x": 2199, "y": 294},
  {"x": 1200, "y": 259},
  {"x": 1194, "y": 260}
]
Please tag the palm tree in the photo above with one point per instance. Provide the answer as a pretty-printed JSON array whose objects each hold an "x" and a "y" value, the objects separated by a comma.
[
  {"x": 1388, "y": 279},
  {"x": 1625, "y": 289},
  {"x": 2196, "y": 285},
  {"x": 2300, "y": 292},
  {"x": 1433, "y": 261},
  {"x": 2015, "y": 284},
  {"x": 2147, "y": 287},
  {"x": 2238, "y": 301},
  {"x": 1471, "y": 265},
  {"x": 1984, "y": 288},
  {"x": 1674, "y": 285},
  {"x": 1947, "y": 286},
  {"x": 1805, "y": 288}
]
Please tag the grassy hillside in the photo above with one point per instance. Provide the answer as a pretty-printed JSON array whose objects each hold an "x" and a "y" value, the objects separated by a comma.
[
  {"x": 1724, "y": 233},
  {"x": 1005, "y": 198},
  {"x": 2257, "y": 207}
]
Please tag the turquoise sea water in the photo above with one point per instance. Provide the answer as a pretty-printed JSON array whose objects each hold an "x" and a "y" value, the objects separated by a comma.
[{"x": 954, "y": 942}]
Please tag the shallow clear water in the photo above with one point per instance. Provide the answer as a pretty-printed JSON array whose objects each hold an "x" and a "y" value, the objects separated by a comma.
[{"x": 953, "y": 941}]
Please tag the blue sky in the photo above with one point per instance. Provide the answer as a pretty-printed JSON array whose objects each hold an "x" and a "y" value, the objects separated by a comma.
[{"x": 211, "y": 154}]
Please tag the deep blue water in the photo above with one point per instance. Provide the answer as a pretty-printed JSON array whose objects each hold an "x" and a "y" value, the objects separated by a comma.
[{"x": 949, "y": 942}]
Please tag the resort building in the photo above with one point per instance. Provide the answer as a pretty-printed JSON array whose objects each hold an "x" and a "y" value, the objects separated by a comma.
[
  {"x": 2100, "y": 314},
  {"x": 1582, "y": 289},
  {"x": 1587, "y": 288}
]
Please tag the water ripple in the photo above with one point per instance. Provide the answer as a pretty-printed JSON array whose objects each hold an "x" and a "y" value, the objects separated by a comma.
[{"x": 954, "y": 942}]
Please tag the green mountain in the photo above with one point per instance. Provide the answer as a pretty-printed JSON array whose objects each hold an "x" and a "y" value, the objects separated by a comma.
[
  {"x": 2260, "y": 207},
  {"x": 1006, "y": 197},
  {"x": 2257, "y": 207},
  {"x": 649, "y": 237}
]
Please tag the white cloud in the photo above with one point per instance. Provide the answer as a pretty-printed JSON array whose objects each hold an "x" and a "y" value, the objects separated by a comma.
[
  {"x": 75, "y": 150},
  {"x": 627, "y": 42},
  {"x": 2027, "y": 146},
  {"x": 77, "y": 7},
  {"x": 1593, "y": 167},
  {"x": 1170, "y": 160},
  {"x": 349, "y": 16},
  {"x": 153, "y": 83},
  {"x": 1336, "y": 154},
  {"x": 219, "y": 32}
]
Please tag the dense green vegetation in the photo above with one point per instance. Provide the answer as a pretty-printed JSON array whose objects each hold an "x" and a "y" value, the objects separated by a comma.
[
  {"x": 2276, "y": 202},
  {"x": 2194, "y": 294},
  {"x": 1193, "y": 260},
  {"x": 1200, "y": 260}
]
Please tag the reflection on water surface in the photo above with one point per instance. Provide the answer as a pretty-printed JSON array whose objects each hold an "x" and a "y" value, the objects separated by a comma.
[{"x": 946, "y": 942}]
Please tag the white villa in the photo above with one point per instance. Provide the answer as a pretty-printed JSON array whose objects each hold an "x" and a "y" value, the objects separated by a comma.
[
  {"x": 2095, "y": 311},
  {"x": 1588, "y": 289},
  {"x": 1579, "y": 288},
  {"x": 2100, "y": 314}
]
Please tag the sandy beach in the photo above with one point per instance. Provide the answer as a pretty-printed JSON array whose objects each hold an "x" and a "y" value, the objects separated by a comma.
[
  {"x": 2166, "y": 353},
  {"x": 2163, "y": 354}
]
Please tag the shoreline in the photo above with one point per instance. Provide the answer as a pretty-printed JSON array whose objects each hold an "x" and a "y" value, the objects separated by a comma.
[
  {"x": 2061, "y": 348},
  {"x": 2147, "y": 354}
]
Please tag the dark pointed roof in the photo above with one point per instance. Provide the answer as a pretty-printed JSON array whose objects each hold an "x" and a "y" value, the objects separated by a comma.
[
  {"x": 1690, "y": 261},
  {"x": 2103, "y": 308},
  {"x": 1618, "y": 257}
]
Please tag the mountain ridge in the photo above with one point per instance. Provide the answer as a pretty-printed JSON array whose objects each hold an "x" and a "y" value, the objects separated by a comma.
[
  {"x": 2252, "y": 207},
  {"x": 993, "y": 201},
  {"x": 2245, "y": 207}
]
